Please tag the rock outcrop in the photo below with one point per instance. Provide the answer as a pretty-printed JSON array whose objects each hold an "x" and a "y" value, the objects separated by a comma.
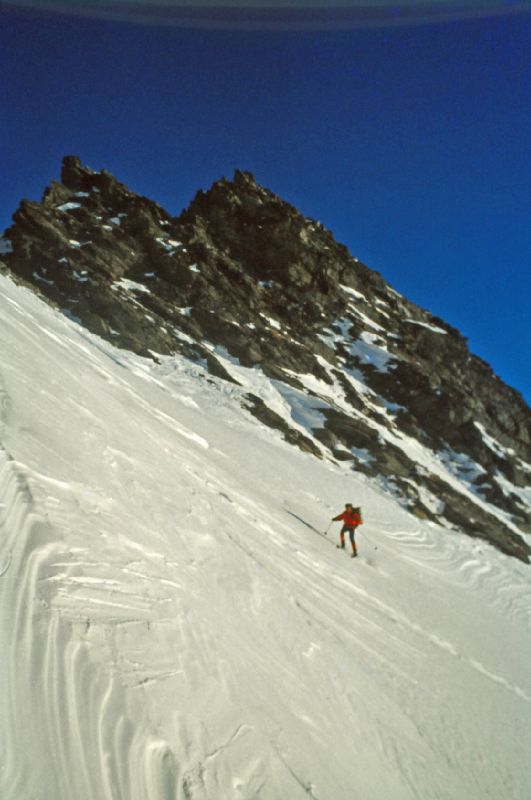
[{"x": 242, "y": 279}]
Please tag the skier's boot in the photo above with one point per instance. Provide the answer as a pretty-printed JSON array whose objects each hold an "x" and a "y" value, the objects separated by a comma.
[
  {"x": 354, "y": 553},
  {"x": 341, "y": 546}
]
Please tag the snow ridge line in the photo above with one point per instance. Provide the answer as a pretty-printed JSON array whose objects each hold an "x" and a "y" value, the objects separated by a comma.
[
  {"x": 24, "y": 544},
  {"x": 4, "y": 409},
  {"x": 36, "y": 689},
  {"x": 54, "y": 697}
]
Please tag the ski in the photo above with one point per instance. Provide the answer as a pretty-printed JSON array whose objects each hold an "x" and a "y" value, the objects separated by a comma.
[{"x": 352, "y": 555}]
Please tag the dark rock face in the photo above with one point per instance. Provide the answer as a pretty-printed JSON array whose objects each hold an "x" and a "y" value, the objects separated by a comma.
[{"x": 241, "y": 276}]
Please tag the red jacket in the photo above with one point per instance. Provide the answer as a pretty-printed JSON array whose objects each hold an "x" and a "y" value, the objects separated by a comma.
[{"x": 351, "y": 518}]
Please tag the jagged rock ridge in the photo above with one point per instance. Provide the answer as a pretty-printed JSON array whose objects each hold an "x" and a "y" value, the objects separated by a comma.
[{"x": 241, "y": 278}]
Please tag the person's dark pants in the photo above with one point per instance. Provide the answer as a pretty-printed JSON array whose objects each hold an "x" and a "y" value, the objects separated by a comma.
[{"x": 351, "y": 533}]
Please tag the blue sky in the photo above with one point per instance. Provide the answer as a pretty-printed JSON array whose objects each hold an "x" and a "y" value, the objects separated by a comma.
[{"x": 411, "y": 144}]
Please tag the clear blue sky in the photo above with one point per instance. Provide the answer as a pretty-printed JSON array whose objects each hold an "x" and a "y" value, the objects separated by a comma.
[{"x": 412, "y": 144}]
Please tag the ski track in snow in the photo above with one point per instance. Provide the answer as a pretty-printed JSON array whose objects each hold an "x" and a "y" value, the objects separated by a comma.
[{"x": 173, "y": 628}]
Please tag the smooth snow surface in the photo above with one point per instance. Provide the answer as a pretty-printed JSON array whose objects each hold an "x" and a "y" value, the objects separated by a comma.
[
  {"x": 128, "y": 285},
  {"x": 173, "y": 626},
  {"x": 68, "y": 206},
  {"x": 434, "y": 328}
]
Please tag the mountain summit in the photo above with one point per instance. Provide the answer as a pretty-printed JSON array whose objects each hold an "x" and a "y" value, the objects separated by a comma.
[{"x": 316, "y": 344}]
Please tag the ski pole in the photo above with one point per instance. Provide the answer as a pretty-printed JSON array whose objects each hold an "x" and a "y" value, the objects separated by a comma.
[{"x": 326, "y": 531}]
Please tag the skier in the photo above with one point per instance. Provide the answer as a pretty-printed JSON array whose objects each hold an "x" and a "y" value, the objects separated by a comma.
[{"x": 351, "y": 519}]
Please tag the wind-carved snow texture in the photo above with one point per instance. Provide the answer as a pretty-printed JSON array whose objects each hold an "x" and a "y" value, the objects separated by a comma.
[
  {"x": 175, "y": 625},
  {"x": 67, "y": 731}
]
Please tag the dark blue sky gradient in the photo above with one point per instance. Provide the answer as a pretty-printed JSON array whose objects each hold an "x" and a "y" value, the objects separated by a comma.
[{"x": 412, "y": 144}]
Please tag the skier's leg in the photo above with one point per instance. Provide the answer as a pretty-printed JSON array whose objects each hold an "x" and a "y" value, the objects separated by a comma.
[
  {"x": 342, "y": 536},
  {"x": 353, "y": 541}
]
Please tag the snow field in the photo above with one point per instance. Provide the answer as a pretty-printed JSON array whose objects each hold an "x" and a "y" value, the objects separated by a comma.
[{"x": 172, "y": 627}]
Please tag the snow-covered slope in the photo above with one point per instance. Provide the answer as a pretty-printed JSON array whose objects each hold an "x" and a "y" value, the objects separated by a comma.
[
  {"x": 244, "y": 284},
  {"x": 174, "y": 626}
]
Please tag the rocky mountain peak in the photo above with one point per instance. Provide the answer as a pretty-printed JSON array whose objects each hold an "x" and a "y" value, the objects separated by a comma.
[
  {"x": 262, "y": 296},
  {"x": 75, "y": 176}
]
